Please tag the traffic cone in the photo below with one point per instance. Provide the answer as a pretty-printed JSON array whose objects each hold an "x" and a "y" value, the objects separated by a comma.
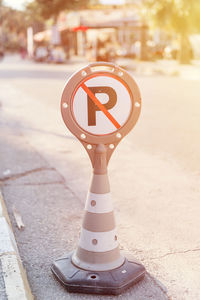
[
  {"x": 98, "y": 248},
  {"x": 97, "y": 266}
]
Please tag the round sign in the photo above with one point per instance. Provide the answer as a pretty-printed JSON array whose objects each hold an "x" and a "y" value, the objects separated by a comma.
[{"x": 100, "y": 105}]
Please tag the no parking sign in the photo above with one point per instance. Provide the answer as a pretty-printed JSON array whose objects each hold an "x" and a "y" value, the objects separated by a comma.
[{"x": 100, "y": 104}]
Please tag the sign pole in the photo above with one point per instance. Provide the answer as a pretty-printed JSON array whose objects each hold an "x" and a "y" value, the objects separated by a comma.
[{"x": 97, "y": 266}]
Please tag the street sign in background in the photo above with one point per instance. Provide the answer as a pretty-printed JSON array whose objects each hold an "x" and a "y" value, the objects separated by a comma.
[{"x": 100, "y": 104}]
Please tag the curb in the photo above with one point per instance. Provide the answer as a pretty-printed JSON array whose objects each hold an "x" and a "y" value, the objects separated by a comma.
[
  {"x": 13, "y": 280},
  {"x": 146, "y": 69},
  {"x": 161, "y": 67}
]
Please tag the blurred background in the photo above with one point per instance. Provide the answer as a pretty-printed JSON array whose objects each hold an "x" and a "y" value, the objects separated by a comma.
[{"x": 54, "y": 31}]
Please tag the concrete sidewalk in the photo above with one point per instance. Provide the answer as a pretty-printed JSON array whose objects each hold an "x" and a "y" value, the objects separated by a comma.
[
  {"x": 156, "y": 199},
  {"x": 162, "y": 67},
  {"x": 13, "y": 280},
  {"x": 32, "y": 183},
  {"x": 52, "y": 215}
]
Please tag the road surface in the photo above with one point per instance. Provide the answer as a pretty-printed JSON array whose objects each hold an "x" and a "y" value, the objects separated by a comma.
[{"x": 154, "y": 175}]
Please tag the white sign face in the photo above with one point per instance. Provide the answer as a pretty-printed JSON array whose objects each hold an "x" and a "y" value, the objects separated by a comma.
[{"x": 102, "y": 104}]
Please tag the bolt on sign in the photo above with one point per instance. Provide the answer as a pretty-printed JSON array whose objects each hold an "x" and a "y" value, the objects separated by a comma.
[{"x": 100, "y": 104}]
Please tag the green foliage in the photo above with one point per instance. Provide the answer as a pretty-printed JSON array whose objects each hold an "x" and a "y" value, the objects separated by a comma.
[
  {"x": 13, "y": 24},
  {"x": 181, "y": 16},
  {"x": 45, "y": 9},
  {"x": 177, "y": 16},
  {"x": 12, "y": 20}
]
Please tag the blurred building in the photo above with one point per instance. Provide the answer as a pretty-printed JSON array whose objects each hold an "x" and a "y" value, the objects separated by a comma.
[{"x": 88, "y": 32}]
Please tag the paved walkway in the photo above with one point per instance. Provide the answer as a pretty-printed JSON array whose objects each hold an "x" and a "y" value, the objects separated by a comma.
[
  {"x": 13, "y": 280},
  {"x": 45, "y": 174},
  {"x": 162, "y": 67}
]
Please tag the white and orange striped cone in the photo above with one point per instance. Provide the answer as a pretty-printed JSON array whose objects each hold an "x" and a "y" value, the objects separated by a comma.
[
  {"x": 97, "y": 266},
  {"x": 98, "y": 248}
]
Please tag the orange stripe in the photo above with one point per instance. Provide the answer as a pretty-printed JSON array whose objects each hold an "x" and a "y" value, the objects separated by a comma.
[{"x": 100, "y": 106}]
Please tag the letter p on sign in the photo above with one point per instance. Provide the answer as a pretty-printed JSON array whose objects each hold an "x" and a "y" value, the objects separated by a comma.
[{"x": 95, "y": 105}]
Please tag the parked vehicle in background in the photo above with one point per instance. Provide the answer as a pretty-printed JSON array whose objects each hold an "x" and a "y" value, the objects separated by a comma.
[
  {"x": 49, "y": 54},
  {"x": 56, "y": 55},
  {"x": 41, "y": 53},
  {"x": 105, "y": 51},
  {"x": 170, "y": 52}
]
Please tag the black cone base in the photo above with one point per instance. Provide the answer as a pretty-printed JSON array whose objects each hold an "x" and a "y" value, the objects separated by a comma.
[{"x": 112, "y": 282}]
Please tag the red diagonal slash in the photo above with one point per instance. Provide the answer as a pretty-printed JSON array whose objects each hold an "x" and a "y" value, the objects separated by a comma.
[{"x": 100, "y": 106}]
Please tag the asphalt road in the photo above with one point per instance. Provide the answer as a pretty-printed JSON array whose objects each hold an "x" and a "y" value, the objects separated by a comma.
[{"x": 154, "y": 177}]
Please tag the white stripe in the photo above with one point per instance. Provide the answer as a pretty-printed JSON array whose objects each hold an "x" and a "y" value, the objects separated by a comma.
[
  {"x": 105, "y": 240},
  {"x": 103, "y": 203},
  {"x": 97, "y": 266},
  {"x": 7, "y": 242},
  {"x": 13, "y": 280}
]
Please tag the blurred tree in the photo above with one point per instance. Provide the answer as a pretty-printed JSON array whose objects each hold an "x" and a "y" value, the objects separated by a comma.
[
  {"x": 45, "y": 9},
  {"x": 13, "y": 24},
  {"x": 180, "y": 16}
]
